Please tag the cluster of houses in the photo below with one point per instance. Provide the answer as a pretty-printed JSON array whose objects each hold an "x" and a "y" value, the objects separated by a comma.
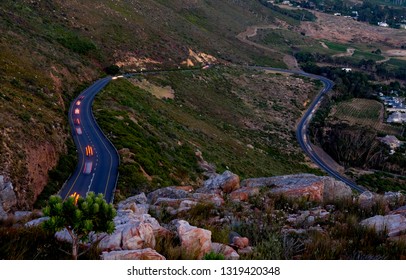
[
  {"x": 396, "y": 107},
  {"x": 392, "y": 142}
]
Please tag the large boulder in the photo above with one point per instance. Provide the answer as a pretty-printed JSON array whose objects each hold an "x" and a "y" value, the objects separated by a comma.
[
  {"x": 214, "y": 198},
  {"x": 294, "y": 186},
  {"x": 63, "y": 236},
  {"x": 22, "y": 215},
  {"x": 228, "y": 252},
  {"x": 112, "y": 242},
  {"x": 395, "y": 225},
  {"x": 8, "y": 197},
  {"x": 138, "y": 236},
  {"x": 143, "y": 254},
  {"x": 133, "y": 231},
  {"x": 36, "y": 222},
  {"x": 335, "y": 190},
  {"x": 394, "y": 199},
  {"x": 240, "y": 242},
  {"x": 168, "y": 192},
  {"x": 138, "y": 199},
  {"x": 195, "y": 242},
  {"x": 226, "y": 182},
  {"x": 367, "y": 199},
  {"x": 400, "y": 210},
  {"x": 138, "y": 204},
  {"x": 243, "y": 194}
]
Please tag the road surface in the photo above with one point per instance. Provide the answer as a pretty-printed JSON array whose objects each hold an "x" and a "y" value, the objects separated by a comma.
[{"x": 98, "y": 160}]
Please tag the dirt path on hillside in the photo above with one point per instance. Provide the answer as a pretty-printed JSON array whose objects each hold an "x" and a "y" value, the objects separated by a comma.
[
  {"x": 252, "y": 31},
  {"x": 324, "y": 45}
]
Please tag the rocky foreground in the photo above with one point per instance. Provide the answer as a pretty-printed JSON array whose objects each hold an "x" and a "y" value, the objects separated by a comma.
[{"x": 185, "y": 215}]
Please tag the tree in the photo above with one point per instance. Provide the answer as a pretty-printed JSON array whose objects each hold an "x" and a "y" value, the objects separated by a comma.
[
  {"x": 79, "y": 216},
  {"x": 112, "y": 70}
]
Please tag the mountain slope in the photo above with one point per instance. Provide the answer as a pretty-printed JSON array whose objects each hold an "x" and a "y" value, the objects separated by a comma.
[{"x": 49, "y": 50}]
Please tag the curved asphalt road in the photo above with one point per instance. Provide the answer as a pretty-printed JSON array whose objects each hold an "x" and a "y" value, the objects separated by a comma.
[
  {"x": 302, "y": 128},
  {"x": 97, "y": 168},
  {"x": 98, "y": 160}
]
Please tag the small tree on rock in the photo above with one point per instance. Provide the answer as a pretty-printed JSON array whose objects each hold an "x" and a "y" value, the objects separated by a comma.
[{"x": 79, "y": 216}]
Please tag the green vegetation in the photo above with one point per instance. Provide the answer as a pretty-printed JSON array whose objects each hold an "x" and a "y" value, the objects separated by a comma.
[
  {"x": 383, "y": 182},
  {"x": 157, "y": 139},
  {"x": 336, "y": 47},
  {"x": 213, "y": 256},
  {"x": 299, "y": 15},
  {"x": 71, "y": 40},
  {"x": 48, "y": 49},
  {"x": 79, "y": 216},
  {"x": 363, "y": 112}
]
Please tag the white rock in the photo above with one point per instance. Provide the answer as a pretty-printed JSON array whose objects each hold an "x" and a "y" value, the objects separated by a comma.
[{"x": 143, "y": 254}]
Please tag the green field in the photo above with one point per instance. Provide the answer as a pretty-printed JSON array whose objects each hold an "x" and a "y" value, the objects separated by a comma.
[
  {"x": 336, "y": 47},
  {"x": 364, "y": 112}
]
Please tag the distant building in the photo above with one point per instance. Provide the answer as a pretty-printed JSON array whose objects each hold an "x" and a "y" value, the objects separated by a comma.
[
  {"x": 383, "y": 24},
  {"x": 286, "y": 3},
  {"x": 397, "y": 117},
  {"x": 337, "y": 14},
  {"x": 402, "y": 26},
  {"x": 392, "y": 142},
  {"x": 346, "y": 69}
]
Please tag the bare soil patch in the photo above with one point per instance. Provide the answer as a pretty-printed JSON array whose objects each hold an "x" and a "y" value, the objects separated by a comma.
[
  {"x": 347, "y": 30},
  {"x": 157, "y": 91}
]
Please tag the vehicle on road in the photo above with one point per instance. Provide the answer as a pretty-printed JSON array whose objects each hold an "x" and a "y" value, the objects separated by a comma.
[
  {"x": 89, "y": 151},
  {"x": 88, "y": 167},
  {"x": 77, "y": 111},
  {"x": 78, "y": 131}
]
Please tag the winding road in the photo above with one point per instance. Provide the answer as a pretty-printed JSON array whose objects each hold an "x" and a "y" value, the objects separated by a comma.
[
  {"x": 98, "y": 160},
  {"x": 302, "y": 128}
]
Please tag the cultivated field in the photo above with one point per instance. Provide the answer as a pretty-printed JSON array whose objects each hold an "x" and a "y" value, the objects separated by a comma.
[{"x": 364, "y": 112}]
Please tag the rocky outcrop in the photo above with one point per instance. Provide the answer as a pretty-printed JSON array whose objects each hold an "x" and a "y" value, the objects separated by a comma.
[
  {"x": 36, "y": 222},
  {"x": 243, "y": 194},
  {"x": 168, "y": 192},
  {"x": 195, "y": 242},
  {"x": 240, "y": 242},
  {"x": 138, "y": 236},
  {"x": 392, "y": 199},
  {"x": 3, "y": 214},
  {"x": 8, "y": 197},
  {"x": 22, "y": 215},
  {"x": 313, "y": 187},
  {"x": 133, "y": 231},
  {"x": 226, "y": 183},
  {"x": 143, "y": 254},
  {"x": 335, "y": 190},
  {"x": 228, "y": 252},
  {"x": 299, "y": 185},
  {"x": 308, "y": 218},
  {"x": 367, "y": 199},
  {"x": 394, "y": 225},
  {"x": 400, "y": 210},
  {"x": 214, "y": 198}
]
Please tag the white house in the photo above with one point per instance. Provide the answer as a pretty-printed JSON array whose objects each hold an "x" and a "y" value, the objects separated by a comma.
[{"x": 383, "y": 24}]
